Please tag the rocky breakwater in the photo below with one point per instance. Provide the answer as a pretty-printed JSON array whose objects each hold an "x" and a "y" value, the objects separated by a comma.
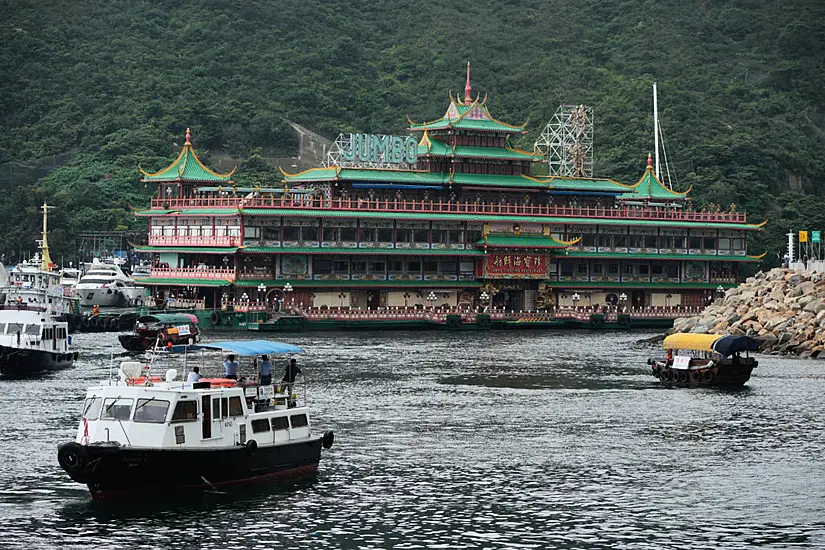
[{"x": 783, "y": 309}]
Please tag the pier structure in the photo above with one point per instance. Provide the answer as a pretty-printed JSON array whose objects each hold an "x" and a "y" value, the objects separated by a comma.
[{"x": 451, "y": 217}]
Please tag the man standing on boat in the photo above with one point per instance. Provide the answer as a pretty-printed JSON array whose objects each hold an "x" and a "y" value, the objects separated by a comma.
[
  {"x": 265, "y": 371},
  {"x": 230, "y": 367},
  {"x": 292, "y": 371}
]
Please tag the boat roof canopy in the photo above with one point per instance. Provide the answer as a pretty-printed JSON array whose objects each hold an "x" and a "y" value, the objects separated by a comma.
[
  {"x": 723, "y": 345},
  {"x": 243, "y": 348},
  {"x": 171, "y": 318}
]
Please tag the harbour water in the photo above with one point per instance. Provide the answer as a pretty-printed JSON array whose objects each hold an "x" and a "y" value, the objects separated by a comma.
[{"x": 465, "y": 440}]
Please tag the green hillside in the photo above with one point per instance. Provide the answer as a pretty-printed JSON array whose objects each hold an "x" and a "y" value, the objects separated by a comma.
[{"x": 90, "y": 89}]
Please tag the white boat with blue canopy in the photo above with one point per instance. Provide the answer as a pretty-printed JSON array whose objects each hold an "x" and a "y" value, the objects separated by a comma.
[{"x": 142, "y": 433}]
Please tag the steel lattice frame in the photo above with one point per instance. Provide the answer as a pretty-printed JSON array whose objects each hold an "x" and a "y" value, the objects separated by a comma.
[{"x": 567, "y": 141}]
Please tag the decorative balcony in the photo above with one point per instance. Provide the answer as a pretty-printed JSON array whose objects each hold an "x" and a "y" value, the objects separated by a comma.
[
  {"x": 193, "y": 273},
  {"x": 186, "y": 240},
  {"x": 450, "y": 207}
]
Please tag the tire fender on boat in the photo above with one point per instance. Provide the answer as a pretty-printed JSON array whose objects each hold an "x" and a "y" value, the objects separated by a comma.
[
  {"x": 251, "y": 447},
  {"x": 707, "y": 376},
  {"x": 215, "y": 318},
  {"x": 72, "y": 457},
  {"x": 328, "y": 439}
]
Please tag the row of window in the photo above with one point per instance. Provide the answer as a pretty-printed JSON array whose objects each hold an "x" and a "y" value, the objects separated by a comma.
[
  {"x": 409, "y": 267},
  {"x": 608, "y": 240}
]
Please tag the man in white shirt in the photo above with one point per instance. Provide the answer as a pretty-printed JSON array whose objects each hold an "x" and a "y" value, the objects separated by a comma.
[{"x": 194, "y": 376}]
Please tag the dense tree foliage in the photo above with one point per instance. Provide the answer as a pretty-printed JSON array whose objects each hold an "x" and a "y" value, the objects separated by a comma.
[{"x": 107, "y": 85}]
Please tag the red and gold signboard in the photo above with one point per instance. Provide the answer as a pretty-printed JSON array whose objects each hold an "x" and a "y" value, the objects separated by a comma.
[{"x": 516, "y": 265}]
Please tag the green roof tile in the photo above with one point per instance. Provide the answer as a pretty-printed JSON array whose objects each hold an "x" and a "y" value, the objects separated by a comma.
[
  {"x": 438, "y": 148},
  {"x": 187, "y": 167},
  {"x": 649, "y": 187},
  {"x": 522, "y": 241},
  {"x": 647, "y": 256}
]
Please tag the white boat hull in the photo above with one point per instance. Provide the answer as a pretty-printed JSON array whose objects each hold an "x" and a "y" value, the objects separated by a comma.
[{"x": 110, "y": 297}]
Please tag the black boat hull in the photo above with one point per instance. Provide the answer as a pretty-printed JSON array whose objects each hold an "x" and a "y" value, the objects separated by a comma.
[
  {"x": 113, "y": 472},
  {"x": 724, "y": 375},
  {"x": 24, "y": 362}
]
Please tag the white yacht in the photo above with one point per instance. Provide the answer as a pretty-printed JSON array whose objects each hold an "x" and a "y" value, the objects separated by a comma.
[
  {"x": 107, "y": 285},
  {"x": 32, "y": 338},
  {"x": 69, "y": 277}
]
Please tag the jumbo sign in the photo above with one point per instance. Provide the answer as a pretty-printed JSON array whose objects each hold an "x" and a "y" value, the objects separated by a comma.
[{"x": 379, "y": 148}]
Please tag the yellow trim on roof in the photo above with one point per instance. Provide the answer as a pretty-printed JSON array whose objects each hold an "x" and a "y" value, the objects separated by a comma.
[
  {"x": 481, "y": 105},
  {"x": 652, "y": 173},
  {"x": 287, "y": 174},
  {"x": 573, "y": 178},
  {"x": 759, "y": 257},
  {"x": 187, "y": 146},
  {"x": 695, "y": 342},
  {"x": 758, "y": 224}
]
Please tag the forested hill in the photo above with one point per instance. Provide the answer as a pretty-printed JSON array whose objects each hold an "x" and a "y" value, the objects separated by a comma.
[{"x": 90, "y": 89}]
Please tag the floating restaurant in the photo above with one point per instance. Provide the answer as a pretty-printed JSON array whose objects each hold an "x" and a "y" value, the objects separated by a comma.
[{"x": 443, "y": 224}]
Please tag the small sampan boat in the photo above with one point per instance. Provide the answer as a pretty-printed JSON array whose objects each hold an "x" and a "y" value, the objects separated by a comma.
[{"x": 694, "y": 360}]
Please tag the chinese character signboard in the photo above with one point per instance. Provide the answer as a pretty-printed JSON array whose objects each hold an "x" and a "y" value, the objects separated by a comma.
[
  {"x": 803, "y": 236},
  {"x": 518, "y": 266},
  {"x": 815, "y": 236}
]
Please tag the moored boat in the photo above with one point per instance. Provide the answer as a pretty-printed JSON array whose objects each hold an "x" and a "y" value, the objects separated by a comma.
[
  {"x": 162, "y": 329},
  {"x": 142, "y": 435},
  {"x": 694, "y": 360}
]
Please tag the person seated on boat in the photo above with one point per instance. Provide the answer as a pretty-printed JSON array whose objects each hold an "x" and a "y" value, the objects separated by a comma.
[
  {"x": 230, "y": 367},
  {"x": 194, "y": 376},
  {"x": 265, "y": 371},
  {"x": 292, "y": 371}
]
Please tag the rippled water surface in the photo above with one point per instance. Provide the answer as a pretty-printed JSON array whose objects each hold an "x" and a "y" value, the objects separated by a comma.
[{"x": 494, "y": 440}]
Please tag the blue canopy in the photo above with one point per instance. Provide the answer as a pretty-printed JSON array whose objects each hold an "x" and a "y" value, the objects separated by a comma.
[
  {"x": 728, "y": 345},
  {"x": 241, "y": 347}
]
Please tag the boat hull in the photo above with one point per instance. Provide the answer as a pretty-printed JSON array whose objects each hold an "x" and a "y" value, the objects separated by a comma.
[
  {"x": 109, "y": 297},
  {"x": 24, "y": 362},
  {"x": 113, "y": 472},
  {"x": 722, "y": 375}
]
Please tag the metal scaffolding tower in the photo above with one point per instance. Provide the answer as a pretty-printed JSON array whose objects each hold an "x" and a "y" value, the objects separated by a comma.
[{"x": 567, "y": 141}]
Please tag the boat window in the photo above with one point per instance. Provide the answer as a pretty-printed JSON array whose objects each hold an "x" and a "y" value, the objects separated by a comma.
[
  {"x": 116, "y": 409},
  {"x": 151, "y": 410},
  {"x": 32, "y": 329},
  {"x": 2, "y": 328},
  {"x": 280, "y": 423},
  {"x": 235, "y": 406},
  {"x": 298, "y": 420},
  {"x": 260, "y": 425},
  {"x": 91, "y": 408},
  {"x": 185, "y": 411}
]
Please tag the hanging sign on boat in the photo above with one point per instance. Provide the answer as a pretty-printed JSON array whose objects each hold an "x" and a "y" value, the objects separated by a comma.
[
  {"x": 516, "y": 265},
  {"x": 378, "y": 148}
]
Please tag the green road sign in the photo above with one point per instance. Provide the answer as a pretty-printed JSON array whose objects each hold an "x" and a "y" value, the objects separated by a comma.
[{"x": 815, "y": 236}]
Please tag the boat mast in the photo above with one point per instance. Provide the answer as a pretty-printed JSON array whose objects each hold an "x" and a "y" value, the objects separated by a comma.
[
  {"x": 46, "y": 261},
  {"x": 656, "y": 127}
]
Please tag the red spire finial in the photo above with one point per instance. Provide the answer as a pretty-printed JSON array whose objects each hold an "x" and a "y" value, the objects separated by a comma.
[
  {"x": 188, "y": 142},
  {"x": 468, "y": 90},
  {"x": 649, "y": 160}
]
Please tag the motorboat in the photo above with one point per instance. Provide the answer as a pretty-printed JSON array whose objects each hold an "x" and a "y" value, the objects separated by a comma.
[
  {"x": 694, "y": 360},
  {"x": 69, "y": 277},
  {"x": 106, "y": 285},
  {"x": 143, "y": 434},
  {"x": 33, "y": 335},
  {"x": 161, "y": 329}
]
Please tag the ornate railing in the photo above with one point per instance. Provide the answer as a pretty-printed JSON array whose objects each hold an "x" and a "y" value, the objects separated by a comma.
[
  {"x": 452, "y": 207},
  {"x": 187, "y": 240},
  {"x": 193, "y": 273}
]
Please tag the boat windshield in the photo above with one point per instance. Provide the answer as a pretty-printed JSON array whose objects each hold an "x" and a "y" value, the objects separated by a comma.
[
  {"x": 116, "y": 408},
  {"x": 91, "y": 408},
  {"x": 151, "y": 410}
]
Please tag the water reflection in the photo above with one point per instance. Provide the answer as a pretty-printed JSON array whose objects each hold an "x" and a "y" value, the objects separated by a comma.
[{"x": 497, "y": 440}]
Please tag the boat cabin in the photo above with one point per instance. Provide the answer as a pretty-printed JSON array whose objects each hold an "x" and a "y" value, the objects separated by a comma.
[{"x": 174, "y": 415}]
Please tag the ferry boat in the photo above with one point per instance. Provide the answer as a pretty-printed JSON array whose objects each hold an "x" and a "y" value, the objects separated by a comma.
[
  {"x": 694, "y": 360},
  {"x": 105, "y": 284},
  {"x": 161, "y": 329},
  {"x": 33, "y": 336},
  {"x": 143, "y": 435}
]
